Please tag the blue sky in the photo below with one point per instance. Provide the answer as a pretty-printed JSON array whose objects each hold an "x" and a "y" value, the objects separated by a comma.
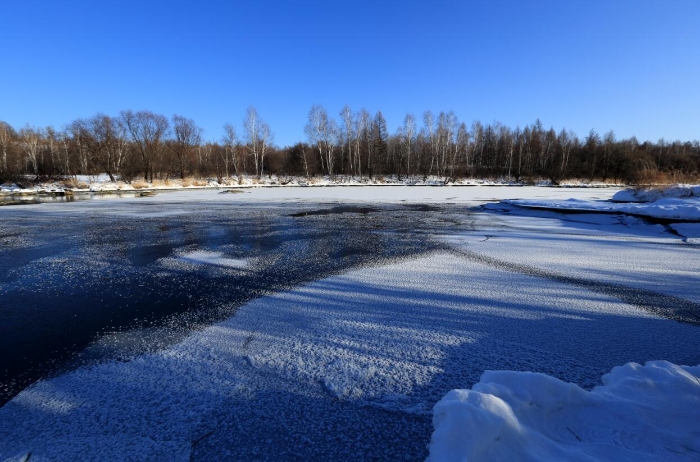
[{"x": 632, "y": 66}]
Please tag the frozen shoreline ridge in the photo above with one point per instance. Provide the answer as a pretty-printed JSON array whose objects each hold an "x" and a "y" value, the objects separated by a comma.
[
  {"x": 425, "y": 290},
  {"x": 674, "y": 203},
  {"x": 643, "y": 413}
]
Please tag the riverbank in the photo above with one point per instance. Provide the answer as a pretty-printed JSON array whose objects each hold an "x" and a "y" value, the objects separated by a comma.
[{"x": 103, "y": 185}]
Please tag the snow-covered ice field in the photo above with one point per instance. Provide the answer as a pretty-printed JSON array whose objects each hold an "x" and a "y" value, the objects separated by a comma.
[{"x": 346, "y": 360}]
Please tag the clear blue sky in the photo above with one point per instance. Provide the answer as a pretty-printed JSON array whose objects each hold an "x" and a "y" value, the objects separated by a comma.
[{"x": 632, "y": 66}]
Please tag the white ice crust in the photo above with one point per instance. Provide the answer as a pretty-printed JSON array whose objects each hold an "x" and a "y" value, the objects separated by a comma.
[
  {"x": 673, "y": 203},
  {"x": 641, "y": 413}
]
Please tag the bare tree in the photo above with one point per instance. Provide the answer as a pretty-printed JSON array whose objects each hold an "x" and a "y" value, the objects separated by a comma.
[
  {"x": 52, "y": 145},
  {"x": 608, "y": 143},
  {"x": 363, "y": 122},
  {"x": 316, "y": 129},
  {"x": 251, "y": 126},
  {"x": 461, "y": 147},
  {"x": 230, "y": 141},
  {"x": 566, "y": 140},
  {"x": 408, "y": 133},
  {"x": 477, "y": 148},
  {"x": 259, "y": 138},
  {"x": 65, "y": 153},
  {"x": 5, "y": 139},
  {"x": 305, "y": 160},
  {"x": 77, "y": 131},
  {"x": 187, "y": 136},
  {"x": 323, "y": 132},
  {"x": 377, "y": 149},
  {"x": 346, "y": 115},
  {"x": 429, "y": 128},
  {"x": 104, "y": 140},
  {"x": 266, "y": 140},
  {"x": 592, "y": 143},
  {"x": 446, "y": 130},
  {"x": 30, "y": 141},
  {"x": 148, "y": 131}
]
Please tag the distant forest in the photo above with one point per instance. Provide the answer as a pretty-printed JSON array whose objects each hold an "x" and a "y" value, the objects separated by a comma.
[{"x": 146, "y": 145}]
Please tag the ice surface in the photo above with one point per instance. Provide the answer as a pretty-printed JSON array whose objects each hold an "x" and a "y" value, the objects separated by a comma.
[
  {"x": 675, "y": 203},
  {"x": 641, "y": 413},
  {"x": 350, "y": 366},
  {"x": 213, "y": 258},
  {"x": 395, "y": 338},
  {"x": 592, "y": 247},
  {"x": 689, "y": 231}
]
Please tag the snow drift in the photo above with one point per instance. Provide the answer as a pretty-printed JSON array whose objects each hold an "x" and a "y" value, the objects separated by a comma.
[
  {"x": 640, "y": 413},
  {"x": 655, "y": 194},
  {"x": 674, "y": 204}
]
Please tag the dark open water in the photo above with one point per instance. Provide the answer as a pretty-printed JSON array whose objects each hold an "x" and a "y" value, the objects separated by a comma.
[{"x": 95, "y": 280}]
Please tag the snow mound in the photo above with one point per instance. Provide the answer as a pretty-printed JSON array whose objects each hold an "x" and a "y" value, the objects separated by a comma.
[
  {"x": 681, "y": 203},
  {"x": 640, "y": 413},
  {"x": 653, "y": 195}
]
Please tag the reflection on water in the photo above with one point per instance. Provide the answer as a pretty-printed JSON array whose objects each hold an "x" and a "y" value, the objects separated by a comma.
[{"x": 19, "y": 199}]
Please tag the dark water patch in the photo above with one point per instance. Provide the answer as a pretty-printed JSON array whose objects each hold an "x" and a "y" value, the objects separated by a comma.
[
  {"x": 146, "y": 255},
  {"x": 11, "y": 259},
  {"x": 4, "y": 202},
  {"x": 123, "y": 288},
  {"x": 337, "y": 210},
  {"x": 422, "y": 207}
]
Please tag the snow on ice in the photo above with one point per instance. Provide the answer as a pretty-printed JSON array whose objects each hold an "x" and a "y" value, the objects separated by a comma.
[
  {"x": 640, "y": 413},
  {"x": 680, "y": 203},
  {"x": 322, "y": 371}
]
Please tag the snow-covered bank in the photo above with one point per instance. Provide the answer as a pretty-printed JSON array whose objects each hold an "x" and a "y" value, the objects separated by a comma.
[
  {"x": 681, "y": 203},
  {"x": 102, "y": 184},
  {"x": 641, "y": 413},
  {"x": 322, "y": 196},
  {"x": 656, "y": 194}
]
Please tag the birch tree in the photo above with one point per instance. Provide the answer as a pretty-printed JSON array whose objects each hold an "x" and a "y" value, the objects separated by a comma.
[
  {"x": 408, "y": 136},
  {"x": 229, "y": 153},
  {"x": 316, "y": 129},
  {"x": 5, "y": 139},
  {"x": 258, "y": 137},
  {"x": 346, "y": 116},
  {"x": 608, "y": 143},
  {"x": 266, "y": 140},
  {"x": 363, "y": 122},
  {"x": 30, "y": 141},
  {"x": 65, "y": 144},
  {"x": 429, "y": 127},
  {"x": 323, "y": 132},
  {"x": 104, "y": 140},
  {"x": 460, "y": 149},
  {"x": 565, "y": 141}
]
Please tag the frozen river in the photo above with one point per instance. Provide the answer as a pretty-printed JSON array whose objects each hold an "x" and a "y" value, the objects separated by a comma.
[
  {"x": 153, "y": 270},
  {"x": 313, "y": 323}
]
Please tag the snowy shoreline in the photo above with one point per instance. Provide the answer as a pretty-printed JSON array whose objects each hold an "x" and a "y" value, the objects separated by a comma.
[{"x": 102, "y": 184}]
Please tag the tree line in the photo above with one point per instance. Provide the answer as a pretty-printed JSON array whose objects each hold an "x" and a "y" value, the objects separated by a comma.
[{"x": 151, "y": 146}]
